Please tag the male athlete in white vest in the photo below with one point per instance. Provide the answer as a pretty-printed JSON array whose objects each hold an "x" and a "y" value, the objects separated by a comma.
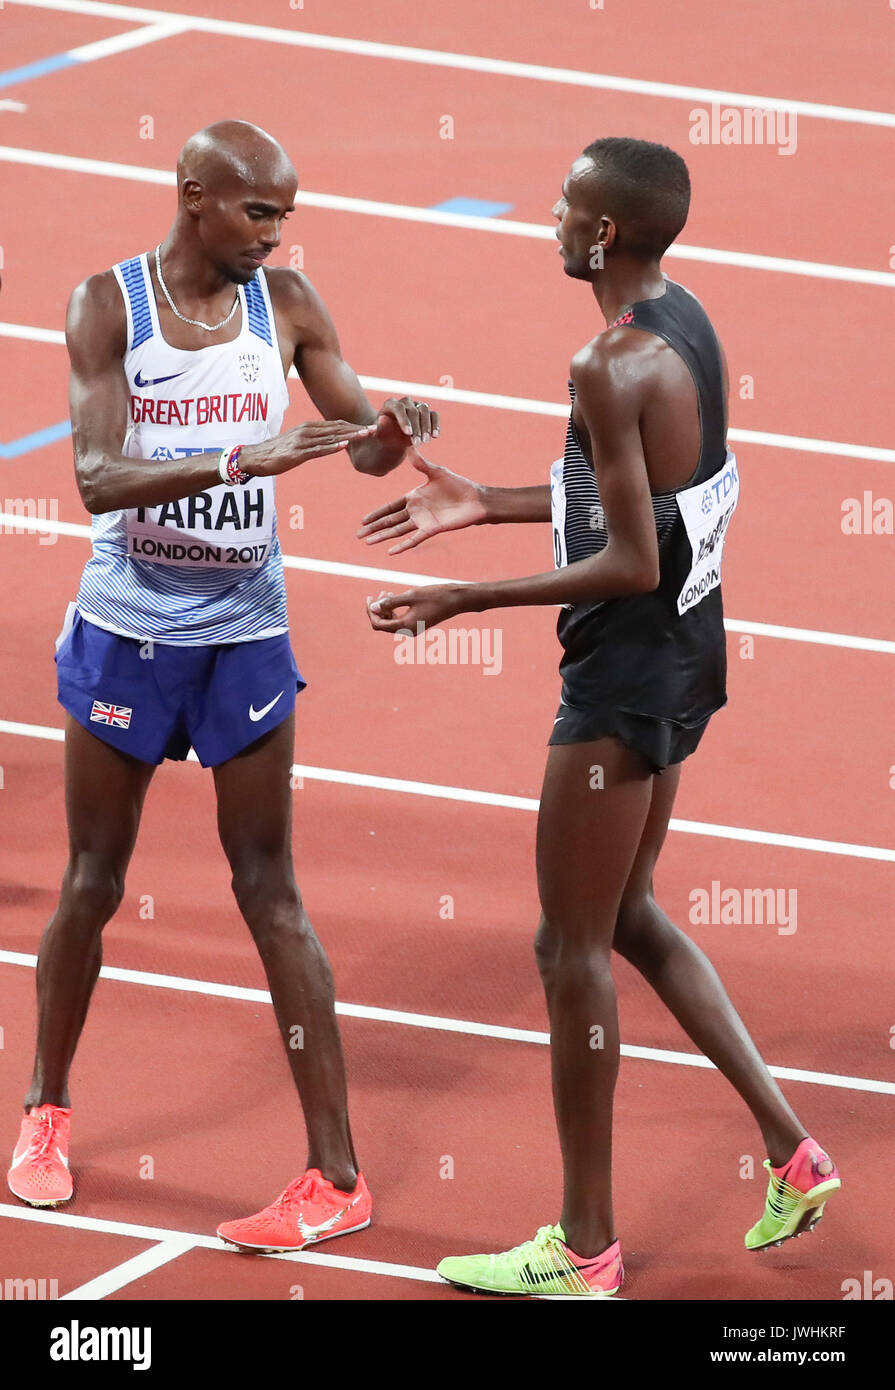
[{"x": 179, "y": 638}]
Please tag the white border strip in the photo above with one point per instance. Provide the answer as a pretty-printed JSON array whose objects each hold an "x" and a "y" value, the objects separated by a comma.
[
  {"x": 405, "y": 212},
  {"x": 192, "y": 1241},
  {"x": 538, "y": 72},
  {"x": 11, "y": 523},
  {"x": 526, "y": 405},
  {"x": 135, "y": 1268},
  {"x": 452, "y": 1025}
]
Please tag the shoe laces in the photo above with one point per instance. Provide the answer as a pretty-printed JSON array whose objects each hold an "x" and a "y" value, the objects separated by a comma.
[
  {"x": 782, "y": 1197},
  {"x": 44, "y": 1135},
  {"x": 538, "y": 1249},
  {"x": 304, "y": 1188},
  {"x": 543, "y": 1261}
]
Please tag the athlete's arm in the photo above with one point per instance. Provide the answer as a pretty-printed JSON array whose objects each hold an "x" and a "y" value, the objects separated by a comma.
[
  {"x": 99, "y": 400},
  {"x": 610, "y": 395},
  {"x": 334, "y": 388},
  {"x": 445, "y": 501}
]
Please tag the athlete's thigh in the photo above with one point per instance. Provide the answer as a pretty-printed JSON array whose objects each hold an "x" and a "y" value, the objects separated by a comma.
[
  {"x": 255, "y": 797},
  {"x": 594, "y": 804},
  {"x": 104, "y": 794},
  {"x": 640, "y": 879}
]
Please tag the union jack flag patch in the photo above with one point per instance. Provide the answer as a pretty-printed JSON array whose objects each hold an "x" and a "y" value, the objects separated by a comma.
[{"x": 117, "y": 715}]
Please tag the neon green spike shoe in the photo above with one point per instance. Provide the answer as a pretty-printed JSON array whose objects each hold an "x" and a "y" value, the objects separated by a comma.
[
  {"x": 542, "y": 1268},
  {"x": 797, "y": 1195}
]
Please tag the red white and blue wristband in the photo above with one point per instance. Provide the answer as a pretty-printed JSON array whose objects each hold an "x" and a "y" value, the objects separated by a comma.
[{"x": 228, "y": 467}]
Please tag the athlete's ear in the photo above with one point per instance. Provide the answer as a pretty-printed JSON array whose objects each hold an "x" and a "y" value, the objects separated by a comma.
[
  {"x": 606, "y": 233},
  {"x": 191, "y": 196}
]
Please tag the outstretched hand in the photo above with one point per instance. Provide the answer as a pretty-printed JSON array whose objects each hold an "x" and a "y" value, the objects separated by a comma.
[{"x": 444, "y": 501}]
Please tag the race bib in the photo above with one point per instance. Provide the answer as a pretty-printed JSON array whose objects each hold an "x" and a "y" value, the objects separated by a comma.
[
  {"x": 222, "y": 528},
  {"x": 558, "y": 512},
  {"x": 706, "y": 510}
]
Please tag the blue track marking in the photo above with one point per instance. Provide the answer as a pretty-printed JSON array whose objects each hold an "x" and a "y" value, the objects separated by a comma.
[
  {"x": 50, "y": 435},
  {"x": 473, "y": 207},
  {"x": 25, "y": 74}
]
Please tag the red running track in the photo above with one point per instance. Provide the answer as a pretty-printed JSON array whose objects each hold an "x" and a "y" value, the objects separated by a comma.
[{"x": 804, "y": 748}]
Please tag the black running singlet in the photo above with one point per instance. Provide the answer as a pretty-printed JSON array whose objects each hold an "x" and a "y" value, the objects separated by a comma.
[{"x": 651, "y": 668}]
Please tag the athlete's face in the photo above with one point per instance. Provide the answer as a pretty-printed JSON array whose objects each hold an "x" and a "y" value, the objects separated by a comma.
[
  {"x": 240, "y": 223},
  {"x": 581, "y": 234}
]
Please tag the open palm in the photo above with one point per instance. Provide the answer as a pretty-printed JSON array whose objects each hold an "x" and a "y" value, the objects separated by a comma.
[{"x": 444, "y": 501}]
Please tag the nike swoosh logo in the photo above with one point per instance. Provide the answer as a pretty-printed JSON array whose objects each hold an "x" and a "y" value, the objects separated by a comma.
[
  {"x": 308, "y": 1232},
  {"x": 556, "y": 721},
  {"x": 536, "y": 1277},
  {"x": 154, "y": 381},
  {"x": 22, "y": 1156},
  {"x": 256, "y": 714},
  {"x": 532, "y": 1276}
]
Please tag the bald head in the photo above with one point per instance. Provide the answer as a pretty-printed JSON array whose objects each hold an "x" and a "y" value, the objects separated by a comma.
[
  {"x": 236, "y": 187},
  {"x": 233, "y": 152}
]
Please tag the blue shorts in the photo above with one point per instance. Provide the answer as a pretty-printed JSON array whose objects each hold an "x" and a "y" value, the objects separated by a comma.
[{"x": 158, "y": 705}]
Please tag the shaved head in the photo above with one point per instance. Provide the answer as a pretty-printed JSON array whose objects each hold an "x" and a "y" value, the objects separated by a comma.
[
  {"x": 236, "y": 186},
  {"x": 230, "y": 152}
]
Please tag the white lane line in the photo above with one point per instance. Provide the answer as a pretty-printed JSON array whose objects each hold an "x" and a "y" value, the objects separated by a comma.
[
  {"x": 527, "y": 803},
  {"x": 15, "y": 523},
  {"x": 808, "y": 634},
  {"x": 32, "y": 335},
  {"x": 77, "y": 164},
  {"x": 122, "y": 1275},
  {"x": 405, "y": 212},
  {"x": 526, "y": 405},
  {"x": 559, "y": 410},
  {"x": 467, "y": 62},
  {"x": 205, "y": 1242},
  {"x": 523, "y": 803},
  {"x": 121, "y": 43},
  {"x": 467, "y": 1027}
]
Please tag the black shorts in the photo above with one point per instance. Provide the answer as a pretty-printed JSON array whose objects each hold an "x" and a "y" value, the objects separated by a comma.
[{"x": 661, "y": 742}]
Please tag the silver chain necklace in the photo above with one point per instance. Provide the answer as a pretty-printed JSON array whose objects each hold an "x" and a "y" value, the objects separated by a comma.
[{"x": 195, "y": 323}]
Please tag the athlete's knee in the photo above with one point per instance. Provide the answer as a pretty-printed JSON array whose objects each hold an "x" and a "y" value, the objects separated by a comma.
[
  {"x": 546, "y": 948},
  {"x": 267, "y": 895},
  {"x": 571, "y": 955},
  {"x": 93, "y": 888},
  {"x": 640, "y": 930}
]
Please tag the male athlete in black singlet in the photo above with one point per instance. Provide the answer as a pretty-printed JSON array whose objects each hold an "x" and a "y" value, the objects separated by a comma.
[{"x": 640, "y": 505}]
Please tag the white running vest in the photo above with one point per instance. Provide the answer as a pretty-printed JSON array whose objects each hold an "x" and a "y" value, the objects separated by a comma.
[{"x": 204, "y": 569}]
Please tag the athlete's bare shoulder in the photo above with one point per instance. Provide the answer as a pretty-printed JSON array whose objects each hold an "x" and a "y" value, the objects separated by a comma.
[
  {"x": 615, "y": 365},
  {"x": 96, "y": 320},
  {"x": 301, "y": 312},
  {"x": 293, "y": 296}
]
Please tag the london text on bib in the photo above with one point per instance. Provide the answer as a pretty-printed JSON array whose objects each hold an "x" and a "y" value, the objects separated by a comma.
[{"x": 706, "y": 510}]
